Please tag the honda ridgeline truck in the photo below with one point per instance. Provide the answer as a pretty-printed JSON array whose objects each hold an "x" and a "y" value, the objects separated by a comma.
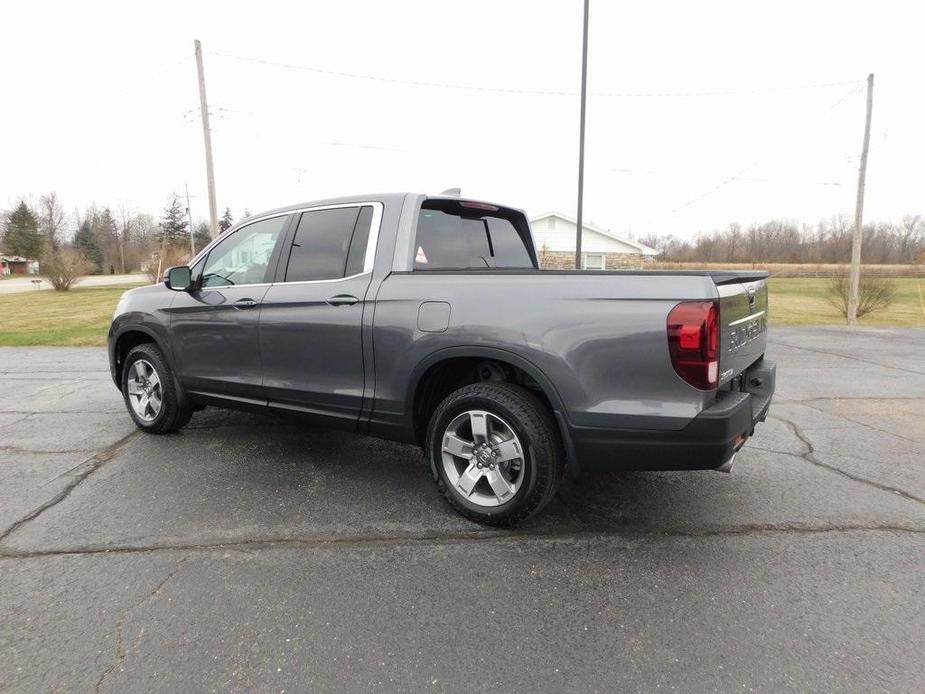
[{"x": 427, "y": 320}]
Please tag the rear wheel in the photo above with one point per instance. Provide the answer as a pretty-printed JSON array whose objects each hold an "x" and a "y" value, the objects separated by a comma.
[
  {"x": 150, "y": 392},
  {"x": 496, "y": 451}
]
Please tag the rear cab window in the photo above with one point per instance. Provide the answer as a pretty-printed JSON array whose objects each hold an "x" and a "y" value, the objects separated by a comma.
[{"x": 464, "y": 235}]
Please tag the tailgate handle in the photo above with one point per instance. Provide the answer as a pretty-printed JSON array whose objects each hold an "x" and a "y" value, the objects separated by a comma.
[{"x": 342, "y": 300}]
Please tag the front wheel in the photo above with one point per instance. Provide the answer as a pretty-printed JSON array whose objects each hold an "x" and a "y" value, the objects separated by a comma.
[
  {"x": 150, "y": 392},
  {"x": 496, "y": 451}
]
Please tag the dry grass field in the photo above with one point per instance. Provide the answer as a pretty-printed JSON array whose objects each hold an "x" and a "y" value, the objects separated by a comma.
[
  {"x": 78, "y": 317},
  {"x": 799, "y": 301}
]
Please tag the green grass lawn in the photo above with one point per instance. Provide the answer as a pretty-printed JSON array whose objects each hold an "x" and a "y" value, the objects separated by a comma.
[
  {"x": 799, "y": 301},
  {"x": 76, "y": 317},
  {"x": 82, "y": 316}
]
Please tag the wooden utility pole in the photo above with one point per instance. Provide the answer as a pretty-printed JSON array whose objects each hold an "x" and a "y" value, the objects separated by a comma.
[
  {"x": 581, "y": 136},
  {"x": 207, "y": 137},
  {"x": 189, "y": 216},
  {"x": 855, "y": 280}
]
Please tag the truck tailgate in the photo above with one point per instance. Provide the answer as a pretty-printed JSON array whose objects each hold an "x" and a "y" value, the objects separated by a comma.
[{"x": 743, "y": 315}]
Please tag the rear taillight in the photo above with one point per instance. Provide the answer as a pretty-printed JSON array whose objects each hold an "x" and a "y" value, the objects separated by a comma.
[{"x": 693, "y": 342}]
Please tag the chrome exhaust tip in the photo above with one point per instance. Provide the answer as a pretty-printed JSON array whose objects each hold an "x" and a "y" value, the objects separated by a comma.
[{"x": 727, "y": 466}]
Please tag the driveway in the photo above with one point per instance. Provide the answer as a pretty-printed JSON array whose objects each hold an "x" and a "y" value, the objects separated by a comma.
[
  {"x": 25, "y": 284},
  {"x": 250, "y": 554}
]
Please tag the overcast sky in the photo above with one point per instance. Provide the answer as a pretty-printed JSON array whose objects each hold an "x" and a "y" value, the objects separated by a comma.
[{"x": 700, "y": 113}]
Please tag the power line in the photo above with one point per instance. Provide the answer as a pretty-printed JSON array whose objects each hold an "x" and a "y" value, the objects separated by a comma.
[
  {"x": 741, "y": 172},
  {"x": 650, "y": 172},
  {"x": 529, "y": 92},
  {"x": 154, "y": 76}
]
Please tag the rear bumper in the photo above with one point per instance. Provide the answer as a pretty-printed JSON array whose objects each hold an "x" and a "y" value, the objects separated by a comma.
[{"x": 706, "y": 443}]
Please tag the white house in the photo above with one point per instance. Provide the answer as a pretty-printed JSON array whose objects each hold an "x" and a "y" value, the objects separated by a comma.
[{"x": 554, "y": 236}]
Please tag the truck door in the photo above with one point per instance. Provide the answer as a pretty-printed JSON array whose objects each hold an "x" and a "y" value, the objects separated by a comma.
[
  {"x": 311, "y": 317},
  {"x": 214, "y": 326}
]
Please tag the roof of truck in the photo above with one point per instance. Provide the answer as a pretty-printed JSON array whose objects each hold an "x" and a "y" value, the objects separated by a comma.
[
  {"x": 375, "y": 197},
  {"x": 385, "y": 198}
]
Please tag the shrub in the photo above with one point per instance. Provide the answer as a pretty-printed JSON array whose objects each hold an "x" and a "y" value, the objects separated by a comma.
[
  {"x": 171, "y": 256},
  {"x": 874, "y": 294},
  {"x": 63, "y": 267}
]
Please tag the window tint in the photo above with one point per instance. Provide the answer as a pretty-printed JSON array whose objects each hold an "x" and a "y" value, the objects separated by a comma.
[
  {"x": 329, "y": 244},
  {"x": 447, "y": 239},
  {"x": 243, "y": 257},
  {"x": 357, "y": 254},
  {"x": 507, "y": 246}
]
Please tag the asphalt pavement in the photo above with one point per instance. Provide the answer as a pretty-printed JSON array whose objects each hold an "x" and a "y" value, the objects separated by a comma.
[{"x": 250, "y": 554}]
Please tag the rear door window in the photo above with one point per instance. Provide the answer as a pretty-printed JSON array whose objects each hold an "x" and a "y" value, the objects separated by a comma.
[
  {"x": 329, "y": 244},
  {"x": 451, "y": 236}
]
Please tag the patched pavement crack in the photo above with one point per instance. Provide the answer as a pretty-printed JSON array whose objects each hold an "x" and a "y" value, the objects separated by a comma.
[
  {"x": 121, "y": 651},
  {"x": 461, "y": 538},
  {"x": 15, "y": 421},
  {"x": 30, "y": 451},
  {"x": 809, "y": 455},
  {"x": 863, "y": 424},
  {"x": 92, "y": 464}
]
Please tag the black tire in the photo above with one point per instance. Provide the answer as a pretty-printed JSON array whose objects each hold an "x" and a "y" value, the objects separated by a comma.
[
  {"x": 533, "y": 424},
  {"x": 172, "y": 415}
]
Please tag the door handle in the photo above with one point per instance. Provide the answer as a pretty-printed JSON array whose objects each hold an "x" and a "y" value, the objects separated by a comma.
[
  {"x": 244, "y": 303},
  {"x": 342, "y": 300}
]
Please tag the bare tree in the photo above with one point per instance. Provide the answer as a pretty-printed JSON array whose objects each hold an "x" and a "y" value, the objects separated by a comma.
[
  {"x": 51, "y": 219},
  {"x": 911, "y": 233},
  {"x": 785, "y": 241}
]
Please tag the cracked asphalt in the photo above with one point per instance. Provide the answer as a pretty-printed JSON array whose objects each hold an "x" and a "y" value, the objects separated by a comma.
[{"x": 251, "y": 554}]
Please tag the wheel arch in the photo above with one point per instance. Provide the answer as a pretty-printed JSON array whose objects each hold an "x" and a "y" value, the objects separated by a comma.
[
  {"x": 126, "y": 340},
  {"x": 432, "y": 380}
]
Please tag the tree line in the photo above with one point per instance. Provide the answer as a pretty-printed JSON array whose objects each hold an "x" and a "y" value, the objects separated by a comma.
[
  {"x": 99, "y": 239},
  {"x": 786, "y": 241}
]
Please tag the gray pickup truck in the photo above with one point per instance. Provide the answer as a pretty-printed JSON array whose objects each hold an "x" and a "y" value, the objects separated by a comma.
[{"x": 427, "y": 320}]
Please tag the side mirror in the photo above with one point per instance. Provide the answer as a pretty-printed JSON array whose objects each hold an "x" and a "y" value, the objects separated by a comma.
[{"x": 179, "y": 278}]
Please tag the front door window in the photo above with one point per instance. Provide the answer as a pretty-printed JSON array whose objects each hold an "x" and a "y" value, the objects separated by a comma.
[{"x": 244, "y": 257}]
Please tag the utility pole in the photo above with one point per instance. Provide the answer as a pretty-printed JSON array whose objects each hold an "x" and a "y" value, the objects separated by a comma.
[
  {"x": 854, "y": 282},
  {"x": 581, "y": 135},
  {"x": 122, "y": 235},
  {"x": 189, "y": 216},
  {"x": 207, "y": 137}
]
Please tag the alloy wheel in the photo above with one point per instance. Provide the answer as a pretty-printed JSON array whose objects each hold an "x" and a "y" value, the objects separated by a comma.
[
  {"x": 483, "y": 458},
  {"x": 144, "y": 390}
]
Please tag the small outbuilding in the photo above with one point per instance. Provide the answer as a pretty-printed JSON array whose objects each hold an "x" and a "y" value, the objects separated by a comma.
[
  {"x": 554, "y": 236},
  {"x": 17, "y": 265}
]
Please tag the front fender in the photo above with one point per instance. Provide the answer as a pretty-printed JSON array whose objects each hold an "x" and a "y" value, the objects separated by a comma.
[{"x": 136, "y": 322}]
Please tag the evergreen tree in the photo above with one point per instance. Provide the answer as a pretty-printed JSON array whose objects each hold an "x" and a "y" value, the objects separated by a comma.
[
  {"x": 22, "y": 233},
  {"x": 226, "y": 222},
  {"x": 107, "y": 239},
  {"x": 86, "y": 242},
  {"x": 174, "y": 227},
  {"x": 201, "y": 235}
]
